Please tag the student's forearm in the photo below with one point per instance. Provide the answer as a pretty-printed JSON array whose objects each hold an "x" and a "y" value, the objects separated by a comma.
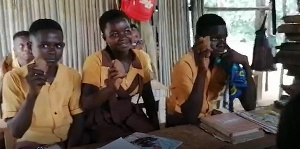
[
  {"x": 20, "y": 123},
  {"x": 248, "y": 98},
  {"x": 192, "y": 107},
  {"x": 76, "y": 130},
  {"x": 150, "y": 105},
  {"x": 97, "y": 98}
]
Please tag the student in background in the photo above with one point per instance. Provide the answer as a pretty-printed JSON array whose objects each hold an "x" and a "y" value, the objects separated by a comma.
[
  {"x": 137, "y": 40},
  {"x": 199, "y": 76},
  {"x": 41, "y": 99},
  {"x": 110, "y": 78},
  {"x": 138, "y": 44},
  {"x": 20, "y": 56}
]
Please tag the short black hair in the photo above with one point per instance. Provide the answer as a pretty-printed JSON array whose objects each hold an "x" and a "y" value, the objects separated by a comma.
[
  {"x": 109, "y": 16},
  {"x": 208, "y": 20},
  {"x": 20, "y": 34},
  {"x": 133, "y": 26},
  {"x": 44, "y": 24}
]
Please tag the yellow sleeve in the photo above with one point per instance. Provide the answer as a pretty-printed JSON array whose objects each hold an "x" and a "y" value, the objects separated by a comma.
[
  {"x": 1, "y": 83},
  {"x": 181, "y": 85},
  {"x": 91, "y": 71},
  {"x": 146, "y": 64},
  {"x": 74, "y": 104},
  {"x": 12, "y": 95},
  {"x": 3, "y": 70}
]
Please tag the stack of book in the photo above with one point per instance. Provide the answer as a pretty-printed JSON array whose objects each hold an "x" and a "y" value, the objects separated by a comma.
[{"x": 231, "y": 128}]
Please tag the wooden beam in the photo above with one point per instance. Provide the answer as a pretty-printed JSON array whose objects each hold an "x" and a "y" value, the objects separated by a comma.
[
  {"x": 236, "y": 8},
  {"x": 284, "y": 12}
]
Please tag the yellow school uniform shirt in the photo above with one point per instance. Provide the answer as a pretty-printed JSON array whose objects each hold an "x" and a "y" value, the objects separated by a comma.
[
  {"x": 54, "y": 106},
  {"x": 95, "y": 73},
  {"x": 147, "y": 60},
  {"x": 7, "y": 64},
  {"x": 182, "y": 81}
]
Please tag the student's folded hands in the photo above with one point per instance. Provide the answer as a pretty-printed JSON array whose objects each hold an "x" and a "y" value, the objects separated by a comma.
[{"x": 116, "y": 73}]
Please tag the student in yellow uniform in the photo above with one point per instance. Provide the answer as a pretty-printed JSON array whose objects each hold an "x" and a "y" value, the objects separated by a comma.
[
  {"x": 137, "y": 43},
  {"x": 20, "y": 56},
  {"x": 41, "y": 99},
  {"x": 197, "y": 79},
  {"x": 110, "y": 79},
  {"x": 137, "y": 40}
]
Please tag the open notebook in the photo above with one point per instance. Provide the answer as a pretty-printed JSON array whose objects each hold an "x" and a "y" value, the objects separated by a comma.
[
  {"x": 146, "y": 141},
  {"x": 266, "y": 118},
  {"x": 119, "y": 144},
  {"x": 143, "y": 141}
]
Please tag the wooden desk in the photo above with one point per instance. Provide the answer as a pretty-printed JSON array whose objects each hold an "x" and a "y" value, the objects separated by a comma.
[{"x": 195, "y": 138}]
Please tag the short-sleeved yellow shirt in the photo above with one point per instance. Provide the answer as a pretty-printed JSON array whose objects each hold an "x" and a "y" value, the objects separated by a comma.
[
  {"x": 7, "y": 64},
  {"x": 54, "y": 106},
  {"x": 183, "y": 78},
  {"x": 95, "y": 73},
  {"x": 147, "y": 59}
]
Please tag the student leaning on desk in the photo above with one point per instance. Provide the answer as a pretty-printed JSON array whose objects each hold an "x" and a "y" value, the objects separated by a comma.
[{"x": 201, "y": 74}]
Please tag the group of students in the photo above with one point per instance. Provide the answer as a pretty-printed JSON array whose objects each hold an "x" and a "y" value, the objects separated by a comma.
[
  {"x": 46, "y": 103},
  {"x": 43, "y": 101}
]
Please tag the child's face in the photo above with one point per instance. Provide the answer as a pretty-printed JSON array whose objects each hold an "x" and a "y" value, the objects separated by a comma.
[
  {"x": 118, "y": 35},
  {"x": 218, "y": 35},
  {"x": 48, "y": 45},
  {"x": 22, "y": 48},
  {"x": 136, "y": 39}
]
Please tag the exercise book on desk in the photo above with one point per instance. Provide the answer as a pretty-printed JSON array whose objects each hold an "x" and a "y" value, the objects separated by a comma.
[
  {"x": 231, "y": 128},
  {"x": 119, "y": 144},
  {"x": 146, "y": 141},
  {"x": 142, "y": 141},
  {"x": 266, "y": 118}
]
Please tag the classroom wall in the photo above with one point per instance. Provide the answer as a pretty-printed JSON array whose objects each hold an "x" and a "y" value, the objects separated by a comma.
[
  {"x": 78, "y": 18},
  {"x": 171, "y": 26}
]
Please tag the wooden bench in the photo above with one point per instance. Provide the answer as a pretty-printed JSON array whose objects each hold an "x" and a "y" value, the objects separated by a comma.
[{"x": 160, "y": 93}]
